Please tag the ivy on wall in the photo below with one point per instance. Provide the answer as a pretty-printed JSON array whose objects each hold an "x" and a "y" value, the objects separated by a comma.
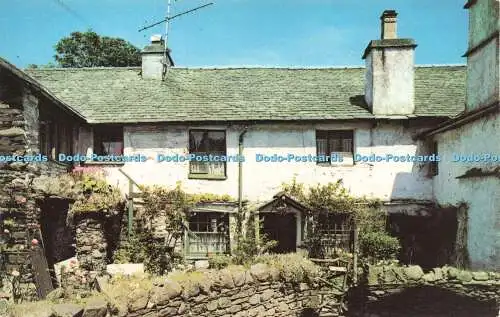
[{"x": 365, "y": 214}]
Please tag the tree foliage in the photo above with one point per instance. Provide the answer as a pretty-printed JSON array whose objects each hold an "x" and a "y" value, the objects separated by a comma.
[{"x": 89, "y": 49}]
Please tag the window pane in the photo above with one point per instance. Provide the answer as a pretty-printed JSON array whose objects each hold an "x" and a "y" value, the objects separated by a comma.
[
  {"x": 322, "y": 146},
  {"x": 206, "y": 142},
  {"x": 335, "y": 145},
  {"x": 108, "y": 140},
  {"x": 347, "y": 145}
]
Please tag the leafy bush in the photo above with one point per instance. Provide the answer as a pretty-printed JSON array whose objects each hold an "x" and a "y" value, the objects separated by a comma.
[
  {"x": 173, "y": 205},
  {"x": 142, "y": 247},
  {"x": 90, "y": 192},
  {"x": 377, "y": 246},
  {"x": 250, "y": 245},
  {"x": 293, "y": 267},
  {"x": 219, "y": 261}
]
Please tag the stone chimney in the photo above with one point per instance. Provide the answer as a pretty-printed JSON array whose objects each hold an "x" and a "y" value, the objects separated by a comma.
[
  {"x": 389, "y": 25},
  {"x": 390, "y": 69},
  {"x": 154, "y": 59}
]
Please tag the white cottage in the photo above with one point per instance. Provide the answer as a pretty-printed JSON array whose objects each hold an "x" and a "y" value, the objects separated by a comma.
[{"x": 365, "y": 118}]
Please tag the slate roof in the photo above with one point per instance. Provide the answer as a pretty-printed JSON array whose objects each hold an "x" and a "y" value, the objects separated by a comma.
[
  {"x": 120, "y": 95},
  {"x": 37, "y": 87}
]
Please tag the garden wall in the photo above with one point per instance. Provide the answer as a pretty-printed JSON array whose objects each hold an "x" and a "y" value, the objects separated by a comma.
[
  {"x": 258, "y": 291},
  {"x": 97, "y": 235},
  {"x": 408, "y": 291}
]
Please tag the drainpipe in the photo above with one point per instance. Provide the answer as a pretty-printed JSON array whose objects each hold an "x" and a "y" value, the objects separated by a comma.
[{"x": 240, "y": 171}]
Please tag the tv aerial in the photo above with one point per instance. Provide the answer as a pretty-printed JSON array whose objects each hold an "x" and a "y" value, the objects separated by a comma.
[{"x": 168, "y": 18}]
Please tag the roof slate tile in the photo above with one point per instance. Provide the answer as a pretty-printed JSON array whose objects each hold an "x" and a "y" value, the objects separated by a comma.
[{"x": 120, "y": 95}]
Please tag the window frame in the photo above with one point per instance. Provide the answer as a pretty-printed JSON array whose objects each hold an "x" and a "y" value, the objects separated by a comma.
[
  {"x": 207, "y": 175},
  {"x": 189, "y": 236},
  {"x": 330, "y": 135},
  {"x": 97, "y": 136},
  {"x": 55, "y": 137}
]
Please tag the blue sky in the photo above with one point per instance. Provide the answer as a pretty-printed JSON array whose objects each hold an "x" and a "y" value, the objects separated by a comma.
[{"x": 239, "y": 32}]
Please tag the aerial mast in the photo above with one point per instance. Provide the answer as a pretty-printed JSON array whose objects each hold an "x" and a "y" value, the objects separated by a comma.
[{"x": 167, "y": 20}]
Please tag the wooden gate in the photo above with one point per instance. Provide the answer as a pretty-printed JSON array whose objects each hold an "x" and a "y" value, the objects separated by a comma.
[{"x": 41, "y": 272}]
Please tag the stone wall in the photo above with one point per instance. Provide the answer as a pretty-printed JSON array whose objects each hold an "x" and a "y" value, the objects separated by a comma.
[
  {"x": 91, "y": 245},
  {"x": 408, "y": 291},
  {"x": 18, "y": 208},
  {"x": 97, "y": 236},
  {"x": 258, "y": 291}
]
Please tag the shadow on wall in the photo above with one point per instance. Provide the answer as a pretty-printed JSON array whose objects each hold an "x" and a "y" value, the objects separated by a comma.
[
  {"x": 428, "y": 241},
  {"x": 424, "y": 301},
  {"x": 428, "y": 234}
]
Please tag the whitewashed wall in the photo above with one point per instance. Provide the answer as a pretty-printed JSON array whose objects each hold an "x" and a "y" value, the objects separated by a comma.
[
  {"x": 483, "y": 76},
  {"x": 263, "y": 180},
  {"x": 482, "y": 194},
  {"x": 483, "y": 65}
]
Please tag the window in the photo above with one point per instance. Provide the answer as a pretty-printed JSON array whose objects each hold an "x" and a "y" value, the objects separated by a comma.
[
  {"x": 335, "y": 232},
  {"x": 433, "y": 165},
  {"x": 203, "y": 144},
  {"x": 338, "y": 142},
  {"x": 108, "y": 140},
  {"x": 208, "y": 234},
  {"x": 55, "y": 138}
]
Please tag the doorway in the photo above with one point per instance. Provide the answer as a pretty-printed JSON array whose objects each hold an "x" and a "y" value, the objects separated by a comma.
[{"x": 281, "y": 228}]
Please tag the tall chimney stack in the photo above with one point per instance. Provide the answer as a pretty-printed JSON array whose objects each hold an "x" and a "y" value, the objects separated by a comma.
[
  {"x": 390, "y": 68},
  {"x": 154, "y": 59},
  {"x": 389, "y": 24}
]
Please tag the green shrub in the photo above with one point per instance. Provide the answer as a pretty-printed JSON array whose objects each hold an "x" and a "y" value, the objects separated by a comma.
[
  {"x": 219, "y": 261},
  {"x": 251, "y": 245},
  {"x": 377, "y": 246},
  {"x": 293, "y": 267},
  {"x": 142, "y": 247}
]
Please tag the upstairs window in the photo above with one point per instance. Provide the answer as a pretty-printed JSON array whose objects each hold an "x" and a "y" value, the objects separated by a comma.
[
  {"x": 108, "y": 140},
  {"x": 203, "y": 144},
  {"x": 338, "y": 142}
]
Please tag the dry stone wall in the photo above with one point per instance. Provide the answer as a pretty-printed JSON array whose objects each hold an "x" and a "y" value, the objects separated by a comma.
[
  {"x": 258, "y": 291},
  {"x": 18, "y": 207},
  {"x": 409, "y": 291}
]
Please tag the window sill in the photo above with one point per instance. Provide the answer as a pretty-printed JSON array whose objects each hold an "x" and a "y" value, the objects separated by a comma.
[{"x": 206, "y": 177}]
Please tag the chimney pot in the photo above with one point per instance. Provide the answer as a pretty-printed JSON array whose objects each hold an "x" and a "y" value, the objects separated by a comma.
[
  {"x": 389, "y": 24},
  {"x": 156, "y": 39}
]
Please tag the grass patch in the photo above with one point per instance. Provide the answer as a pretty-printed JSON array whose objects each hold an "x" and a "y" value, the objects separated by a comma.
[{"x": 30, "y": 309}]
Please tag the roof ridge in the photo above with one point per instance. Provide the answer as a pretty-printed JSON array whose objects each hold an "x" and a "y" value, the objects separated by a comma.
[
  {"x": 439, "y": 65},
  {"x": 269, "y": 67},
  {"x": 82, "y": 68},
  {"x": 232, "y": 67}
]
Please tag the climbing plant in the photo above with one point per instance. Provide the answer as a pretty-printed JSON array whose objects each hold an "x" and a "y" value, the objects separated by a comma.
[
  {"x": 173, "y": 206},
  {"x": 364, "y": 213}
]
